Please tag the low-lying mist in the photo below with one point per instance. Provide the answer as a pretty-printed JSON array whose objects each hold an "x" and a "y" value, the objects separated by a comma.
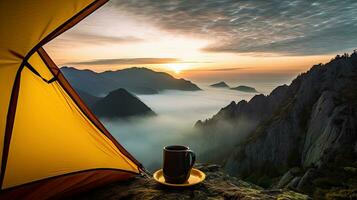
[{"x": 178, "y": 111}]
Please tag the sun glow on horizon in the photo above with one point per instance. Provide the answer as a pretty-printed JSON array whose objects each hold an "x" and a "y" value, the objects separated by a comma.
[
  {"x": 178, "y": 67},
  {"x": 110, "y": 39}
]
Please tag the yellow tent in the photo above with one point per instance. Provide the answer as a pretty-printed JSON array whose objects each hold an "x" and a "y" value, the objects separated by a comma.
[{"x": 52, "y": 145}]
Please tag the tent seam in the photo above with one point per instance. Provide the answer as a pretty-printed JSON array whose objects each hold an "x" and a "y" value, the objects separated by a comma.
[{"x": 67, "y": 174}]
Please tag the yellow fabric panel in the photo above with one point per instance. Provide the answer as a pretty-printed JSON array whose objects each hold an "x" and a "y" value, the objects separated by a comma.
[
  {"x": 7, "y": 78},
  {"x": 51, "y": 136},
  {"x": 36, "y": 62},
  {"x": 24, "y": 23}
]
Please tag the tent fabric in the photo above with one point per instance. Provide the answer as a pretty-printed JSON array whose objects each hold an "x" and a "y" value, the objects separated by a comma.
[
  {"x": 52, "y": 144},
  {"x": 63, "y": 186}
]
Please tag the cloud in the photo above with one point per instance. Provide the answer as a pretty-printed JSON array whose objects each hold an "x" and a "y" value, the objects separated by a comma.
[
  {"x": 297, "y": 27},
  {"x": 88, "y": 38},
  {"x": 215, "y": 70},
  {"x": 145, "y": 137},
  {"x": 126, "y": 61}
]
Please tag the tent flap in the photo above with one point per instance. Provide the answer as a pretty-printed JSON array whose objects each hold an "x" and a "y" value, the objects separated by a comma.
[
  {"x": 52, "y": 144},
  {"x": 65, "y": 185}
]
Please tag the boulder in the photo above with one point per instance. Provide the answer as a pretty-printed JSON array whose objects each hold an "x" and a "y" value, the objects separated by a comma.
[
  {"x": 288, "y": 177},
  {"x": 294, "y": 183},
  {"x": 306, "y": 180}
]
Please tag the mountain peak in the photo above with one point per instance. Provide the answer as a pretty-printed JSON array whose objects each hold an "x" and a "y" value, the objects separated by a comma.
[
  {"x": 244, "y": 88},
  {"x": 120, "y": 103},
  {"x": 221, "y": 84},
  {"x": 118, "y": 92}
]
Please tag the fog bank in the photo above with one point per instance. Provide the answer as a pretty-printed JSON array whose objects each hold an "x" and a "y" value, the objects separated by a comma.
[{"x": 177, "y": 111}]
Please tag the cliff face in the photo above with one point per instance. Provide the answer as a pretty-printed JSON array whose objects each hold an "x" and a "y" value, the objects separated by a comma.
[
  {"x": 312, "y": 123},
  {"x": 217, "y": 185}
]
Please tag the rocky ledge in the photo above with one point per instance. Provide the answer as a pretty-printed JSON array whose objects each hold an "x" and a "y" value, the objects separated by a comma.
[{"x": 217, "y": 185}]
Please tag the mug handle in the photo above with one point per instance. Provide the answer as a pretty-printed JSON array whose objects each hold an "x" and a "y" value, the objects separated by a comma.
[{"x": 193, "y": 158}]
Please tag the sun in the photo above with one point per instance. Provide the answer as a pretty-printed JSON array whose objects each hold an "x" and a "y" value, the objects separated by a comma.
[{"x": 177, "y": 67}]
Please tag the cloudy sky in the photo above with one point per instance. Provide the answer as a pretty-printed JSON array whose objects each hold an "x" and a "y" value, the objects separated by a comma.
[{"x": 205, "y": 38}]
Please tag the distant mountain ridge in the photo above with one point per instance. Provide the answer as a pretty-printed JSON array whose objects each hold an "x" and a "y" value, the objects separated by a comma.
[
  {"x": 89, "y": 99},
  {"x": 135, "y": 80},
  {"x": 306, "y": 131}
]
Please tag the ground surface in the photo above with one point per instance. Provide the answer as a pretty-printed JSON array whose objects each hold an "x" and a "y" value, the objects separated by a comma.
[{"x": 217, "y": 185}]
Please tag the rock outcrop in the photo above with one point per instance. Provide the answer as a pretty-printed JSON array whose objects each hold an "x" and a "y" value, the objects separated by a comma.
[
  {"x": 312, "y": 124},
  {"x": 217, "y": 185}
]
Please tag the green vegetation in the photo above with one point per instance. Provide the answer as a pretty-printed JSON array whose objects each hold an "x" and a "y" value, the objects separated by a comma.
[{"x": 340, "y": 194}]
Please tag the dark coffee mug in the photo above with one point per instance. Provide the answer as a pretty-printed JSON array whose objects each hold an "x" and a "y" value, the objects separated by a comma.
[{"x": 178, "y": 162}]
